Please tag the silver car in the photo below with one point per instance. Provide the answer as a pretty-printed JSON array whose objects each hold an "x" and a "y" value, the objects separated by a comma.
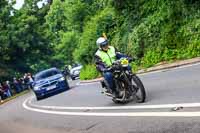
[{"x": 75, "y": 71}]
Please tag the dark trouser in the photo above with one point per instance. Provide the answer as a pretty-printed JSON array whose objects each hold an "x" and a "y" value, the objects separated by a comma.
[
  {"x": 108, "y": 76},
  {"x": 18, "y": 88},
  {"x": 2, "y": 96}
]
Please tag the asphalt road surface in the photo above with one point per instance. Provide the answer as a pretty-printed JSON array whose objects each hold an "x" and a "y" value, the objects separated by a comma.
[{"x": 172, "y": 106}]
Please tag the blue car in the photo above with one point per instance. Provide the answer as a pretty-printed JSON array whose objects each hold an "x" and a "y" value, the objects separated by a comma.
[{"x": 48, "y": 82}]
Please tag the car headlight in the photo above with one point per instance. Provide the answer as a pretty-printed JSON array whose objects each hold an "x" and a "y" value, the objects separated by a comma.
[
  {"x": 62, "y": 79},
  {"x": 36, "y": 88}
]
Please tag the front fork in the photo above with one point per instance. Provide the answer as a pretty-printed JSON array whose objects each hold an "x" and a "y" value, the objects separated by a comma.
[{"x": 131, "y": 87}]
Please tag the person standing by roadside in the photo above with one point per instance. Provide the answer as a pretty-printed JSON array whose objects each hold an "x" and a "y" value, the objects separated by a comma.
[
  {"x": 1, "y": 93},
  {"x": 30, "y": 80},
  {"x": 16, "y": 85},
  {"x": 6, "y": 89},
  {"x": 26, "y": 81},
  {"x": 9, "y": 87},
  {"x": 67, "y": 71}
]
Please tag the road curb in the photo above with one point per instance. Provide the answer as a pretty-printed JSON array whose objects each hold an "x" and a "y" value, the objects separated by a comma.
[
  {"x": 159, "y": 66},
  {"x": 170, "y": 65},
  {"x": 93, "y": 80}
]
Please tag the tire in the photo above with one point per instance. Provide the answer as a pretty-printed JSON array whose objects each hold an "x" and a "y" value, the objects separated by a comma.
[
  {"x": 38, "y": 97},
  {"x": 73, "y": 78},
  {"x": 118, "y": 101},
  {"x": 140, "y": 86}
]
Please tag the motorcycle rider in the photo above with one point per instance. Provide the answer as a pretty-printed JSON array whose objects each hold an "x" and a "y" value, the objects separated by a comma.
[{"x": 104, "y": 57}]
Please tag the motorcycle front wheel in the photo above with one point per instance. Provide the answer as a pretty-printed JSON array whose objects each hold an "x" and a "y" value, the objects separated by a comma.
[
  {"x": 138, "y": 89},
  {"x": 122, "y": 98}
]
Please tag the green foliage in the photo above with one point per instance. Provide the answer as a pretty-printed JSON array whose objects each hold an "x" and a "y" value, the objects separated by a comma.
[
  {"x": 56, "y": 18},
  {"x": 155, "y": 56},
  {"x": 24, "y": 39},
  {"x": 151, "y": 57},
  {"x": 89, "y": 72},
  {"x": 135, "y": 65},
  {"x": 64, "y": 50},
  {"x": 76, "y": 15},
  {"x": 64, "y": 32},
  {"x": 190, "y": 51},
  {"x": 99, "y": 24}
]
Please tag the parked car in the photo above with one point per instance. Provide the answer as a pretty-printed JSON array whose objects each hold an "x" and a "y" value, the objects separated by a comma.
[
  {"x": 75, "y": 71},
  {"x": 48, "y": 82}
]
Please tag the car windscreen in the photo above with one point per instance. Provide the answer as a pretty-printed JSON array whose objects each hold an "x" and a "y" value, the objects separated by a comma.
[{"x": 46, "y": 74}]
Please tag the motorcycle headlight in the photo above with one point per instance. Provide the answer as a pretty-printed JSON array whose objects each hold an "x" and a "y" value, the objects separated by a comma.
[
  {"x": 62, "y": 79},
  {"x": 124, "y": 62}
]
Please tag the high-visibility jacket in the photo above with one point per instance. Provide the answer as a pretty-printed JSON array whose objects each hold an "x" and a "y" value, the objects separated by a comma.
[{"x": 107, "y": 57}]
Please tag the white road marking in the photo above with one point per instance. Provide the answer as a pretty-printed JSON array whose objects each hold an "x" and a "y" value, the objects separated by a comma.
[
  {"x": 121, "y": 114},
  {"x": 160, "y": 106}
]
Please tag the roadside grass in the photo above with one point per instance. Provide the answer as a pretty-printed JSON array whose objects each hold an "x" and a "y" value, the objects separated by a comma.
[
  {"x": 14, "y": 96},
  {"x": 138, "y": 68}
]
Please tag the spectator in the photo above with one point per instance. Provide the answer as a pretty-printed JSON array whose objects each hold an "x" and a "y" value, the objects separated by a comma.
[
  {"x": 26, "y": 81},
  {"x": 16, "y": 85},
  {"x": 30, "y": 80},
  {"x": 1, "y": 93},
  {"x": 21, "y": 83},
  {"x": 67, "y": 71},
  {"x": 30, "y": 77},
  {"x": 6, "y": 90},
  {"x": 9, "y": 86},
  {"x": 69, "y": 67}
]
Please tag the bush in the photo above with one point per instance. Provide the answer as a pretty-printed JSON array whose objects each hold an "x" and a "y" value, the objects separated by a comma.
[
  {"x": 98, "y": 24},
  {"x": 152, "y": 57},
  {"x": 135, "y": 66},
  {"x": 89, "y": 72}
]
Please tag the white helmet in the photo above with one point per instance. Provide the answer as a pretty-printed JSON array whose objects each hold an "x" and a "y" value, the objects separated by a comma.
[{"x": 101, "y": 41}]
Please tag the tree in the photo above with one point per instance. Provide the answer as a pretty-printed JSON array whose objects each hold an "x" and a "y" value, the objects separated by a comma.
[
  {"x": 24, "y": 37},
  {"x": 5, "y": 18}
]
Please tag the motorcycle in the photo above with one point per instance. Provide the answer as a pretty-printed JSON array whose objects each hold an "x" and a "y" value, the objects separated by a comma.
[{"x": 128, "y": 85}]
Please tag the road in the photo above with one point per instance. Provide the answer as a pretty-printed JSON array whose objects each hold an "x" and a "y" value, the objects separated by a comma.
[{"x": 83, "y": 109}]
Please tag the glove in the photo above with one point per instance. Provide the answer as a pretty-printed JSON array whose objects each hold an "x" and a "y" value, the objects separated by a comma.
[{"x": 130, "y": 59}]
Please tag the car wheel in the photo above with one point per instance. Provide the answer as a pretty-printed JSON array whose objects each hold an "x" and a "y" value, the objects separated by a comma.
[{"x": 38, "y": 97}]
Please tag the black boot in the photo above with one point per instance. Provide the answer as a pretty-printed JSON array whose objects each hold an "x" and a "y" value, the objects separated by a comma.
[{"x": 103, "y": 85}]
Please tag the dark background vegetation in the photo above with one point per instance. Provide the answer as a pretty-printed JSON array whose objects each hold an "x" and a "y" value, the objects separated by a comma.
[{"x": 65, "y": 31}]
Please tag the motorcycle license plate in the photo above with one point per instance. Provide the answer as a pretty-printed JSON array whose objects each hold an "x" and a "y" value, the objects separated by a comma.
[{"x": 124, "y": 62}]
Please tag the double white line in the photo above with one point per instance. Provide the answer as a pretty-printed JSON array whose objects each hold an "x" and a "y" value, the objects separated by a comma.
[{"x": 49, "y": 110}]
